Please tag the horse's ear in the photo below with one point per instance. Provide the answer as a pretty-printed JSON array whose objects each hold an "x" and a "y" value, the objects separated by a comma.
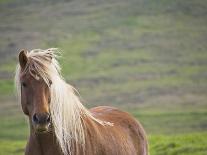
[{"x": 23, "y": 59}]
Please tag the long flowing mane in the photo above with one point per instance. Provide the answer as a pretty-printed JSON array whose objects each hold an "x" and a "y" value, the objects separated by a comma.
[{"x": 67, "y": 112}]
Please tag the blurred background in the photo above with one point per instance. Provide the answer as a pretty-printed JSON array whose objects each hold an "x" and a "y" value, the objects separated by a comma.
[{"x": 146, "y": 57}]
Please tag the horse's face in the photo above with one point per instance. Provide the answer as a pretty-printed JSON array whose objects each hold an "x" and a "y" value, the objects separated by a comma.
[{"x": 35, "y": 98}]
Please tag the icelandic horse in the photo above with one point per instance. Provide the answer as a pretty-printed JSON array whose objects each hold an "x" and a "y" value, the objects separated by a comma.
[{"x": 60, "y": 124}]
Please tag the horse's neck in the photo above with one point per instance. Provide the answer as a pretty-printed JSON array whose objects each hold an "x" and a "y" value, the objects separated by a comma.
[{"x": 42, "y": 144}]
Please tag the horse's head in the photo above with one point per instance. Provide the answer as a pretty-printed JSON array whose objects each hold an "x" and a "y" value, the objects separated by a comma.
[
  {"x": 35, "y": 96},
  {"x": 47, "y": 99}
]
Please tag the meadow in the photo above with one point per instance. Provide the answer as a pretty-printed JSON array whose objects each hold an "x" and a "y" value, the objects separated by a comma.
[{"x": 143, "y": 56}]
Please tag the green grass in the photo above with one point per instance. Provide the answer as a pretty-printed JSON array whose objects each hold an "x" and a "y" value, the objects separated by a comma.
[
  {"x": 169, "y": 133},
  {"x": 173, "y": 122},
  {"x": 9, "y": 147},
  {"x": 184, "y": 144},
  {"x": 13, "y": 128},
  {"x": 7, "y": 87},
  {"x": 5, "y": 1},
  {"x": 160, "y": 144}
]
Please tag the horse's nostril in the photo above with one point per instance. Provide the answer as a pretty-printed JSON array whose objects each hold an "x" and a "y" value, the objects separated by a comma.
[
  {"x": 35, "y": 119},
  {"x": 42, "y": 118}
]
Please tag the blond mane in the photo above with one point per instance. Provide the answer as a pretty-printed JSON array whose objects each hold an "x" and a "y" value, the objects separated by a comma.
[{"x": 67, "y": 112}]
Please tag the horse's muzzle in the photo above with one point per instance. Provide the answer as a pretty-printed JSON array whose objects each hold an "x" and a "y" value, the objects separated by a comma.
[{"x": 41, "y": 122}]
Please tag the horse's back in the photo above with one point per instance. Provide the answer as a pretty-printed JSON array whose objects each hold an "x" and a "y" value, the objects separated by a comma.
[{"x": 125, "y": 128}]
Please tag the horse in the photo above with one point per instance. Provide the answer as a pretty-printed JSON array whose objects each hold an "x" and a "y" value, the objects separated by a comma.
[{"x": 60, "y": 124}]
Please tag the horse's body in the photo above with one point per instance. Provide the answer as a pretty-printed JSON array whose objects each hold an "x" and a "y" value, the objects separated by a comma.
[
  {"x": 125, "y": 137},
  {"x": 98, "y": 131}
]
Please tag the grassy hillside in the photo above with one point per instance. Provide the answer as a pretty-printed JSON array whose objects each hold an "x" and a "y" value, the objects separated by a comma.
[
  {"x": 121, "y": 52},
  {"x": 144, "y": 56}
]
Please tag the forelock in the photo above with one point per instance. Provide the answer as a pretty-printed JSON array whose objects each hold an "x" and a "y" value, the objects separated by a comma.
[{"x": 42, "y": 64}]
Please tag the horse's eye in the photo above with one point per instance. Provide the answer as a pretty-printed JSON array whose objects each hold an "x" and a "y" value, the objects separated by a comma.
[{"x": 24, "y": 84}]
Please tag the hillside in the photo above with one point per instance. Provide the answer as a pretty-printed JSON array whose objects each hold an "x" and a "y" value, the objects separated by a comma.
[{"x": 144, "y": 56}]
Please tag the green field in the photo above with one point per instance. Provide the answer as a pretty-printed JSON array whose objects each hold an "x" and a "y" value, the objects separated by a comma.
[
  {"x": 175, "y": 133},
  {"x": 144, "y": 56}
]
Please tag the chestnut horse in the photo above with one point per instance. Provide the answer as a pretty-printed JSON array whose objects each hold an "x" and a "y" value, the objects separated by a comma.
[{"x": 60, "y": 124}]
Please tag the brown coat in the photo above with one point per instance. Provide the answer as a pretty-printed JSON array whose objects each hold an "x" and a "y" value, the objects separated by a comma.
[{"x": 125, "y": 137}]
